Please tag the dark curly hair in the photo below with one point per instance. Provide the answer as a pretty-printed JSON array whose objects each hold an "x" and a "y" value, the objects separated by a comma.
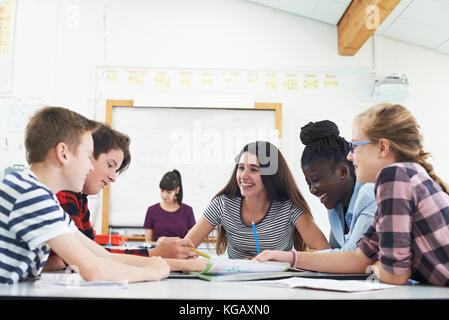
[{"x": 323, "y": 142}]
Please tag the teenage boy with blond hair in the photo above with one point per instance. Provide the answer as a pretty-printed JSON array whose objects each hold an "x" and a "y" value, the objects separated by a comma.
[{"x": 59, "y": 149}]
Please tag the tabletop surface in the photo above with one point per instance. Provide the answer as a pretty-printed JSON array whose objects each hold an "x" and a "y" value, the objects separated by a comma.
[{"x": 198, "y": 289}]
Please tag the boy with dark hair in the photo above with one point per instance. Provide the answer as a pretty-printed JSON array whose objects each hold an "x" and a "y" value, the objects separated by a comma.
[{"x": 111, "y": 157}]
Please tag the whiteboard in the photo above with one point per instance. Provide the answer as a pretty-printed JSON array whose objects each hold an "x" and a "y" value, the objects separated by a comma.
[{"x": 201, "y": 143}]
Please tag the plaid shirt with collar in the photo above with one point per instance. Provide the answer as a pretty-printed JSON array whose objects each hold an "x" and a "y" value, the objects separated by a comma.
[
  {"x": 411, "y": 226},
  {"x": 75, "y": 204}
]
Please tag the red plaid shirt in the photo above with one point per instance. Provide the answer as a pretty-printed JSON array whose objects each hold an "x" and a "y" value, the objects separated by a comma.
[{"x": 75, "y": 204}]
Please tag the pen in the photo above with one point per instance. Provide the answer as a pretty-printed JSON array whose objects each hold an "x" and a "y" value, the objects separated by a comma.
[
  {"x": 200, "y": 253},
  {"x": 255, "y": 237}
]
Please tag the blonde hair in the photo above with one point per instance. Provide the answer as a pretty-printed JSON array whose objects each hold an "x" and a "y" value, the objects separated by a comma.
[{"x": 396, "y": 124}]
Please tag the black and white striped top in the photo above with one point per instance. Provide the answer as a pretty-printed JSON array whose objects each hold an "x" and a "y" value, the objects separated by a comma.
[
  {"x": 30, "y": 215},
  {"x": 274, "y": 232}
]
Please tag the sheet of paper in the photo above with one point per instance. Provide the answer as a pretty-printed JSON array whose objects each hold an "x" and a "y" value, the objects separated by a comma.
[
  {"x": 74, "y": 280},
  {"x": 327, "y": 284},
  {"x": 222, "y": 266}
]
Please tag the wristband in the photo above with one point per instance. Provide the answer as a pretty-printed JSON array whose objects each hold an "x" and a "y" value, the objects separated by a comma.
[{"x": 294, "y": 261}]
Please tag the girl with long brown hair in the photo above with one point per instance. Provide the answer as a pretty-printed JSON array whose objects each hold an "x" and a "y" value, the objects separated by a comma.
[{"x": 262, "y": 191}]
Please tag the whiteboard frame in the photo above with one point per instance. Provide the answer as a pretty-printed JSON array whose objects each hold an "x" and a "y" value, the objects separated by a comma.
[{"x": 111, "y": 104}]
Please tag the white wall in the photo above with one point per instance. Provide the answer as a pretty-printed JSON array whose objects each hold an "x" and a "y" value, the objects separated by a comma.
[
  {"x": 61, "y": 44},
  {"x": 428, "y": 73}
]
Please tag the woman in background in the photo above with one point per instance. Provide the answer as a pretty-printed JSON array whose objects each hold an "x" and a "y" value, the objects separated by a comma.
[{"x": 170, "y": 217}]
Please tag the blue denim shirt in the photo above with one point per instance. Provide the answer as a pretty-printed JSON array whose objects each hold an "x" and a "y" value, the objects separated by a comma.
[{"x": 359, "y": 217}]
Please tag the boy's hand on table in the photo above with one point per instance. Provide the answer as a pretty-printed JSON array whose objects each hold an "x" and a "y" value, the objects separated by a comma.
[{"x": 158, "y": 268}]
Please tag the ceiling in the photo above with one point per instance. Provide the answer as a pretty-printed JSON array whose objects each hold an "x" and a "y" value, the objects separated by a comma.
[{"x": 424, "y": 23}]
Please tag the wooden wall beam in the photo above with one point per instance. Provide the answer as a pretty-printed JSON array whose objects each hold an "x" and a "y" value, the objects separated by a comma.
[
  {"x": 360, "y": 21},
  {"x": 277, "y": 107},
  {"x": 105, "y": 204}
]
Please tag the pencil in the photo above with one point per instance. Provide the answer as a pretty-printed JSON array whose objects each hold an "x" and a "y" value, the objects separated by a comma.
[
  {"x": 255, "y": 237},
  {"x": 200, "y": 253}
]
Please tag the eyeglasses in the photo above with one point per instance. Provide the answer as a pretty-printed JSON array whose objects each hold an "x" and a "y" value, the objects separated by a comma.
[{"x": 358, "y": 143}]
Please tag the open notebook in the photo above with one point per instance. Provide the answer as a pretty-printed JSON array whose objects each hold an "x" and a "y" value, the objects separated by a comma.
[{"x": 244, "y": 270}]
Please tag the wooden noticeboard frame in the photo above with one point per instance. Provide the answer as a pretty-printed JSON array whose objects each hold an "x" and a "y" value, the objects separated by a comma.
[{"x": 110, "y": 104}]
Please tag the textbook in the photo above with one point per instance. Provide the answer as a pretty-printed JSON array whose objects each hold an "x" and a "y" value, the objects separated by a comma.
[
  {"x": 236, "y": 270},
  {"x": 226, "y": 266},
  {"x": 251, "y": 276},
  {"x": 246, "y": 270}
]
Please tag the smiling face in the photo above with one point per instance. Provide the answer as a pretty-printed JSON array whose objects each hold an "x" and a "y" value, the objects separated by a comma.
[
  {"x": 105, "y": 171},
  {"x": 248, "y": 176},
  {"x": 326, "y": 182},
  {"x": 79, "y": 165},
  {"x": 365, "y": 158}
]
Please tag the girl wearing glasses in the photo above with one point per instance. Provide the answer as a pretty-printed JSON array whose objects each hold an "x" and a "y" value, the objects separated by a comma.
[
  {"x": 331, "y": 178},
  {"x": 409, "y": 236}
]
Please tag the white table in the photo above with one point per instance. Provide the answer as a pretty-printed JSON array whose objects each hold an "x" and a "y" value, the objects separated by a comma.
[
  {"x": 204, "y": 290},
  {"x": 220, "y": 300}
]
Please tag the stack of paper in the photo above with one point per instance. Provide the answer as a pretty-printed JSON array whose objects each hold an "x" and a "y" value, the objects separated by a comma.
[
  {"x": 74, "y": 280},
  {"x": 327, "y": 284}
]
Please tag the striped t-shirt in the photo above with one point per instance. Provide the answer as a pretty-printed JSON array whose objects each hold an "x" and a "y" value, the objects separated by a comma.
[
  {"x": 30, "y": 215},
  {"x": 274, "y": 232}
]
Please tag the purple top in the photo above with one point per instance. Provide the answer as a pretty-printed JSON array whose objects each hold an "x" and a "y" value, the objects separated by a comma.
[{"x": 169, "y": 224}]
